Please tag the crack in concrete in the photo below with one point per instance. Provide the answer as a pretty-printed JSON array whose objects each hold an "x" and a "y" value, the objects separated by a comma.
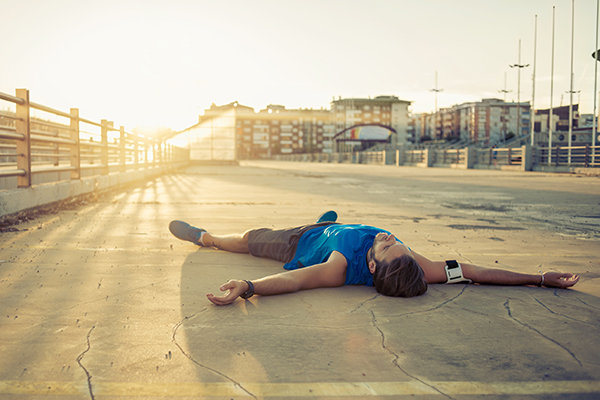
[
  {"x": 563, "y": 315},
  {"x": 176, "y": 327},
  {"x": 436, "y": 307},
  {"x": 461, "y": 255},
  {"x": 557, "y": 293},
  {"x": 365, "y": 302},
  {"x": 448, "y": 247},
  {"x": 80, "y": 357},
  {"x": 507, "y": 306},
  {"x": 589, "y": 305},
  {"x": 396, "y": 357}
]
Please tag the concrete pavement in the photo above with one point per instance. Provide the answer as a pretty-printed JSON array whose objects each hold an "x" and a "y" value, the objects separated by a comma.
[{"x": 100, "y": 301}]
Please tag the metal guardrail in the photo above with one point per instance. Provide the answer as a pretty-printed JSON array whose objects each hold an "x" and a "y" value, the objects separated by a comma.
[
  {"x": 450, "y": 156},
  {"x": 499, "y": 156},
  {"x": 523, "y": 157},
  {"x": 415, "y": 156},
  {"x": 585, "y": 156},
  {"x": 31, "y": 146}
]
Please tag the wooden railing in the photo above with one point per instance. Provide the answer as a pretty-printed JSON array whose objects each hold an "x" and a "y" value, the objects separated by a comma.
[{"x": 37, "y": 150}]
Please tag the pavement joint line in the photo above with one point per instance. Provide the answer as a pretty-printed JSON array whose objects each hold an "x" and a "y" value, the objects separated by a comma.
[
  {"x": 169, "y": 250},
  {"x": 314, "y": 389}
]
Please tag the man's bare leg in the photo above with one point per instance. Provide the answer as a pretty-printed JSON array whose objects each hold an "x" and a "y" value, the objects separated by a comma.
[
  {"x": 200, "y": 237},
  {"x": 234, "y": 243}
]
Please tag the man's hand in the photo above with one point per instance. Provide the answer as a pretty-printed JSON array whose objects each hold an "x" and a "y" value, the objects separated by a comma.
[
  {"x": 233, "y": 289},
  {"x": 560, "y": 280}
]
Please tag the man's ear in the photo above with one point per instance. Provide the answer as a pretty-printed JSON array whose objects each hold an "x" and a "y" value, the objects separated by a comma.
[{"x": 372, "y": 266}]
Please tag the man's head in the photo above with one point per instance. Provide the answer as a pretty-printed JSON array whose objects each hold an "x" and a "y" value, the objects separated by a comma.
[{"x": 395, "y": 271}]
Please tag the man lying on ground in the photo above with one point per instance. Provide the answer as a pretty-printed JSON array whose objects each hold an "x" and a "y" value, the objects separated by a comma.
[{"x": 329, "y": 254}]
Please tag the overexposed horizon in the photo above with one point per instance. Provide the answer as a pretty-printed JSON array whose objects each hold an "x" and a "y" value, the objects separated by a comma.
[{"x": 161, "y": 63}]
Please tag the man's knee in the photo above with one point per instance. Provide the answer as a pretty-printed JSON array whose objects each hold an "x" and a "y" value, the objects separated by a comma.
[{"x": 245, "y": 237}]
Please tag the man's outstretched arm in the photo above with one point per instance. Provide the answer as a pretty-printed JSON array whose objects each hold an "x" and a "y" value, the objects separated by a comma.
[
  {"x": 331, "y": 273},
  {"x": 435, "y": 273}
]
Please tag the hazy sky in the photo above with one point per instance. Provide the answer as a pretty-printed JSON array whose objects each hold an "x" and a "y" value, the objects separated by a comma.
[{"x": 151, "y": 62}]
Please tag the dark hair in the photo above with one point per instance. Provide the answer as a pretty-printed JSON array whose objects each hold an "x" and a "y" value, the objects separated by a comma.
[{"x": 401, "y": 277}]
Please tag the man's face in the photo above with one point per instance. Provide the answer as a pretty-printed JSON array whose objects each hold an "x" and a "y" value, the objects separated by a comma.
[{"x": 386, "y": 248}]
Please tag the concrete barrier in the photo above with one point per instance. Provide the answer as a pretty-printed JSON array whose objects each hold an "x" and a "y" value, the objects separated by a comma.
[{"x": 16, "y": 200}]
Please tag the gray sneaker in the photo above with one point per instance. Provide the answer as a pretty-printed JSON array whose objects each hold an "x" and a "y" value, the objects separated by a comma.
[{"x": 184, "y": 231}]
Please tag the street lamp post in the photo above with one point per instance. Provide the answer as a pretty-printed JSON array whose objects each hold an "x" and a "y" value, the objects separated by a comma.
[
  {"x": 519, "y": 66},
  {"x": 533, "y": 89},
  {"x": 551, "y": 91},
  {"x": 436, "y": 90},
  {"x": 571, "y": 91},
  {"x": 504, "y": 108},
  {"x": 595, "y": 55}
]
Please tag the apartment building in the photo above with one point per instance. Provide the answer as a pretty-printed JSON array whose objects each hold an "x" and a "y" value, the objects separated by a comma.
[
  {"x": 581, "y": 126},
  {"x": 560, "y": 118},
  {"x": 277, "y": 130},
  {"x": 388, "y": 111},
  {"x": 491, "y": 120},
  {"x": 422, "y": 125},
  {"x": 485, "y": 122},
  {"x": 447, "y": 124},
  {"x": 234, "y": 131}
]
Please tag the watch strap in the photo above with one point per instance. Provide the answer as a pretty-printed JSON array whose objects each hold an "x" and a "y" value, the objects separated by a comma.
[{"x": 248, "y": 293}]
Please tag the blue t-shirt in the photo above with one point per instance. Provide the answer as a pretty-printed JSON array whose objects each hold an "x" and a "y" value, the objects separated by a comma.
[{"x": 353, "y": 241}]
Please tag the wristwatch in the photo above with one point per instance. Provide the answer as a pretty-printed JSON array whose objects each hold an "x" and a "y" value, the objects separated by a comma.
[
  {"x": 454, "y": 272},
  {"x": 248, "y": 293}
]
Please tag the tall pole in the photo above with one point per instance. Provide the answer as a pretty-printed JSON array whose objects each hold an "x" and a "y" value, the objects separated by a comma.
[
  {"x": 571, "y": 91},
  {"x": 551, "y": 92},
  {"x": 504, "y": 90},
  {"x": 533, "y": 89},
  {"x": 594, "y": 131},
  {"x": 436, "y": 90},
  {"x": 519, "y": 66},
  {"x": 504, "y": 109}
]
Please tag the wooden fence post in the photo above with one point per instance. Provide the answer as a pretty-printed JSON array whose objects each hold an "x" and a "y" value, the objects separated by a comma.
[
  {"x": 161, "y": 153},
  {"x": 156, "y": 153},
  {"x": 23, "y": 146},
  {"x": 145, "y": 153},
  {"x": 104, "y": 148},
  {"x": 75, "y": 149},
  {"x": 123, "y": 155},
  {"x": 136, "y": 152},
  {"x": 586, "y": 160}
]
